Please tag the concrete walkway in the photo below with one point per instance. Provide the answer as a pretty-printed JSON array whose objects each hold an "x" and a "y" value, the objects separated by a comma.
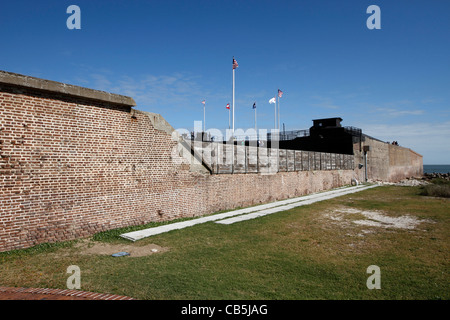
[
  {"x": 296, "y": 202},
  {"x": 248, "y": 213}
]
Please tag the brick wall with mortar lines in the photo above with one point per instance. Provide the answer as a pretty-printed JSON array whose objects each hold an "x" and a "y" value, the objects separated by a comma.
[
  {"x": 243, "y": 190},
  {"x": 70, "y": 168}
]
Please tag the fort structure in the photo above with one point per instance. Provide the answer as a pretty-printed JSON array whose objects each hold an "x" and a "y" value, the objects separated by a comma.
[{"x": 76, "y": 161}]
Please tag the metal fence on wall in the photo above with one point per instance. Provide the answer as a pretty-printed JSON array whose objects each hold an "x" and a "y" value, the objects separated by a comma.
[{"x": 229, "y": 158}]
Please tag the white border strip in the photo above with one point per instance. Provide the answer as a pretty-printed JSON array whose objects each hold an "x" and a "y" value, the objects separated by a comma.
[
  {"x": 261, "y": 213},
  {"x": 256, "y": 211}
]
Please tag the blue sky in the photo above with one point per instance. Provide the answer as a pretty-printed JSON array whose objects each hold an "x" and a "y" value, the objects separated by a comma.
[{"x": 170, "y": 55}]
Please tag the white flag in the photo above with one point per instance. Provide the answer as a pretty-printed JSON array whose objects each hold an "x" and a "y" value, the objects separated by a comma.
[{"x": 272, "y": 100}]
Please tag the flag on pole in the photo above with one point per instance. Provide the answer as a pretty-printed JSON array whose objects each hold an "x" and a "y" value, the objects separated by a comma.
[
  {"x": 273, "y": 100},
  {"x": 229, "y": 116},
  {"x": 235, "y": 64},
  {"x": 280, "y": 94},
  {"x": 254, "y": 108},
  {"x": 203, "y": 101}
]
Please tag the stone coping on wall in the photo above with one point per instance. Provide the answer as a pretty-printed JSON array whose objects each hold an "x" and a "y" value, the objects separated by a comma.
[{"x": 16, "y": 79}]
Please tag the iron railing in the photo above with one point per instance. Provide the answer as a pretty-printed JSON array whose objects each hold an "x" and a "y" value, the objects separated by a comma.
[{"x": 280, "y": 136}]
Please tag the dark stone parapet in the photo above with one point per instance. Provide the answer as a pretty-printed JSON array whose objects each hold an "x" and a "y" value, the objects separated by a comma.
[{"x": 20, "y": 80}]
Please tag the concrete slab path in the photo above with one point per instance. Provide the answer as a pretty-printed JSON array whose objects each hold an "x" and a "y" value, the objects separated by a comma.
[
  {"x": 302, "y": 202},
  {"x": 248, "y": 213}
]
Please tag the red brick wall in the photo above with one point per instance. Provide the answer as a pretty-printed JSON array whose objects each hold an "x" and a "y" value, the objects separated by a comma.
[
  {"x": 71, "y": 168},
  {"x": 226, "y": 191}
]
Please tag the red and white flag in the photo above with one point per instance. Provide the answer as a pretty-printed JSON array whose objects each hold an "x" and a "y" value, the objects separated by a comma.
[
  {"x": 235, "y": 64},
  {"x": 280, "y": 93},
  {"x": 228, "y": 106},
  {"x": 203, "y": 101}
]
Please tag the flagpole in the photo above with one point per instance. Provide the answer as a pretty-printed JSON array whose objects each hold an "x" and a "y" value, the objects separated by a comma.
[
  {"x": 229, "y": 119},
  {"x": 204, "y": 118},
  {"x": 278, "y": 111},
  {"x": 233, "y": 102},
  {"x": 275, "y": 118},
  {"x": 255, "y": 121}
]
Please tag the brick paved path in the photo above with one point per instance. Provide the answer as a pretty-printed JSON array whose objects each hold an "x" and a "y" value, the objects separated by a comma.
[{"x": 8, "y": 293}]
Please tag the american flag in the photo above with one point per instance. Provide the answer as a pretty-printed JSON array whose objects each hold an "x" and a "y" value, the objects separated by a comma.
[
  {"x": 280, "y": 93},
  {"x": 228, "y": 106},
  {"x": 254, "y": 105},
  {"x": 235, "y": 64}
]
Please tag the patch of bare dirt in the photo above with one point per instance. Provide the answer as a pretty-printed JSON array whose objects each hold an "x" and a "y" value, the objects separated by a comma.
[
  {"x": 377, "y": 219},
  {"x": 95, "y": 248},
  {"x": 357, "y": 225}
]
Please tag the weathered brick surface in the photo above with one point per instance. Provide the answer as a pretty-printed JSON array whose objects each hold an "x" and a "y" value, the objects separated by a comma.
[
  {"x": 17, "y": 293},
  {"x": 70, "y": 168},
  {"x": 241, "y": 190}
]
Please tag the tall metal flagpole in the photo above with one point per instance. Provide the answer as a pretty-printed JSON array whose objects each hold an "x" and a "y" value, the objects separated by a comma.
[
  {"x": 254, "y": 107},
  {"x": 278, "y": 111},
  {"x": 279, "y": 94},
  {"x": 235, "y": 65},
  {"x": 274, "y": 101},
  {"x": 275, "y": 119},
  {"x": 233, "y": 101},
  {"x": 256, "y": 130},
  {"x": 229, "y": 117},
  {"x": 204, "y": 117}
]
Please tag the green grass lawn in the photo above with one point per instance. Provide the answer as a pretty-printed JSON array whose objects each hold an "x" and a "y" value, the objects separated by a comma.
[{"x": 310, "y": 252}]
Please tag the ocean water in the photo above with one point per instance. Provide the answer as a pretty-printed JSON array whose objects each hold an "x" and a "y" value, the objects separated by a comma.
[{"x": 437, "y": 168}]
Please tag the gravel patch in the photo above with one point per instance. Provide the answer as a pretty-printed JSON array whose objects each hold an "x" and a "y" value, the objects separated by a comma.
[{"x": 377, "y": 219}]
